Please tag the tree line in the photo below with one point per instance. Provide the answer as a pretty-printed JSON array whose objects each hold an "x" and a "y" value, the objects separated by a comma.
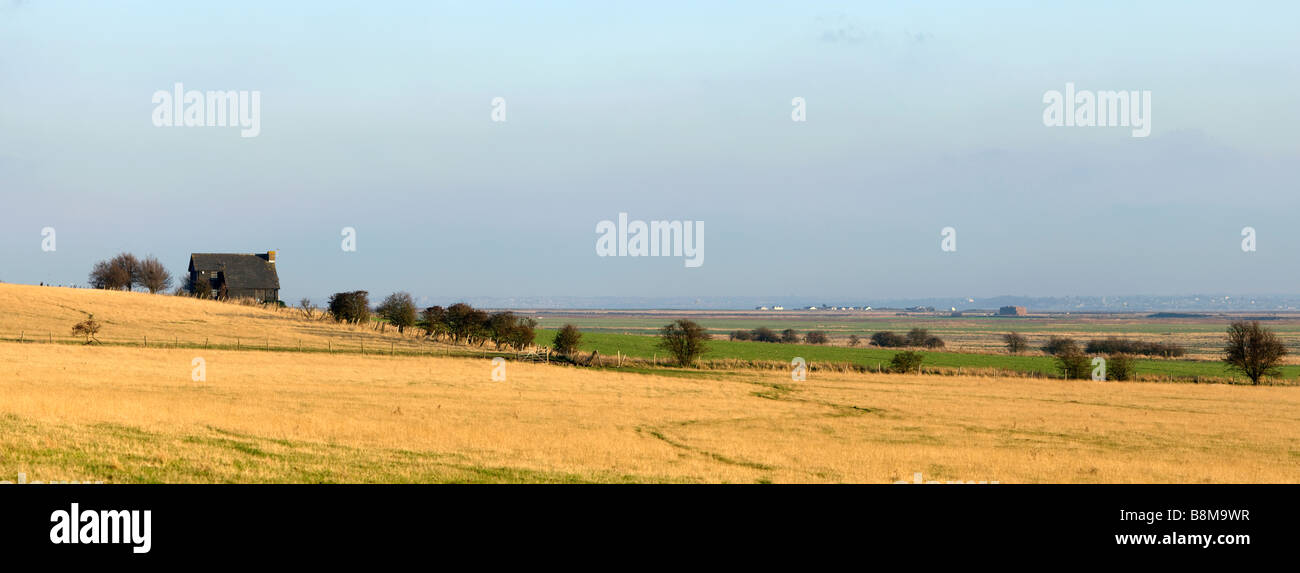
[
  {"x": 1250, "y": 349},
  {"x": 459, "y": 323},
  {"x": 128, "y": 272}
]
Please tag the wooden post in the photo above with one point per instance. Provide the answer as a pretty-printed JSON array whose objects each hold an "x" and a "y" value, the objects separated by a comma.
[
  {"x": 392, "y": 348},
  {"x": 331, "y": 346},
  {"x": 22, "y": 335},
  {"x": 146, "y": 341}
]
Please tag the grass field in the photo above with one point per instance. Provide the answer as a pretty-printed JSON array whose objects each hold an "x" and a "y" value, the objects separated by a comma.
[
  {"x": 1201, "y": 336},
  {"x": 644, "y": 346},
  {"x": 133, "y": 413}
]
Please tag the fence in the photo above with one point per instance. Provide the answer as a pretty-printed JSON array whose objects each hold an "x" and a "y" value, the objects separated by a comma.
[{"x": 331, "y": 345}]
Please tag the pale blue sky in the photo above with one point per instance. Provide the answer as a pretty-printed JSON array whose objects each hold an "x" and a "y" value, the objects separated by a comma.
[{"x": 376, "y": 115}]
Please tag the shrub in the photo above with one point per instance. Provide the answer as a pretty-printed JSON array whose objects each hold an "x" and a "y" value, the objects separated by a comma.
[
  {"x": 522, "y": 334},
  {"x": 506, "y": 329},
  {"x": 816, "y": 337},
  {"x": 888, "y": 340},
  {"x": 917, "y": 337},
  {"x": 1112, "y": 345},
  {"x": 306, "y": 307},
  {"x": 566, "y": 340},
  {"x": 933, "y": 342},
  {"x": 789, "y": 336},
  {"x": 1074, "y": 365},
  {"x": 466, "y": 323},
  {"x": 685, "y": 340},
  {"x": 1119, "y": 367},
  {"x": 741, "y": 335},
  {"x": 1060, "y": 345},
  {"x": 87, "y": 328},
  {"x": 399, "y": 310},
  {"x": 854, "y": 340},
  {"x": 906, "y": 361},
  {"x": 765, "y": 334},
  {"x": 199, "y": 289},
  {"x": 350, "y": 307},
  {"x": 434, "y": 321}
]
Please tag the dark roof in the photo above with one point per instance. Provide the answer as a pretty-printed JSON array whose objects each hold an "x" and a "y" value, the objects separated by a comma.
[{"x": 240, "y": 270}]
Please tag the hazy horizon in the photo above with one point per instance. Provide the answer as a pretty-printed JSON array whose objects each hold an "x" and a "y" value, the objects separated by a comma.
[{"x": 918, "y": 118}]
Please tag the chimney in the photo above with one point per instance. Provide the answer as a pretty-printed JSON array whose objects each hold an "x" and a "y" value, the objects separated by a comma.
[{"x": 270, "y": 257}]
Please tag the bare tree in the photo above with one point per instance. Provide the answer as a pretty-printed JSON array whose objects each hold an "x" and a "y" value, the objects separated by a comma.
[
  {"x": 1253, "y": 350},
  {"x": 117, "y": 273},
  {"x": 1016, "y": 342},
  {"x": 307, "y": 308},
  {"x": 151, "y": 275}
]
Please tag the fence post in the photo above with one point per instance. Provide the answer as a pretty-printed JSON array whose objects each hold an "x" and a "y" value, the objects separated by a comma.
[{"x": 22, "y": 335}]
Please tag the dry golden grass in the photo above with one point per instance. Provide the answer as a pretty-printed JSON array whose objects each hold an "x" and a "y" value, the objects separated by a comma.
[
  {"x": 124, "y": 414},
  {"x": 38, "y": 313}
]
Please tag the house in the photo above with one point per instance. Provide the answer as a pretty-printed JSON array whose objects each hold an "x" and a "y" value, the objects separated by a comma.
[
  {"x": 1012, "y": 311},
  {"x": 233, "y": 275}
]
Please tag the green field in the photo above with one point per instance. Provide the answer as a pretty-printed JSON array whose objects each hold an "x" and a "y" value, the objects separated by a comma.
[{"x": 645, "y": 346}]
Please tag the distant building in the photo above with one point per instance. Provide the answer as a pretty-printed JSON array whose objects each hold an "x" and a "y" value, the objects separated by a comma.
[
  {"x": 1012, "y": 311},
  {"x": 778, "y": 308},
  {"x": 234, "y": 275},
  {"x": 760, "y": 308}
]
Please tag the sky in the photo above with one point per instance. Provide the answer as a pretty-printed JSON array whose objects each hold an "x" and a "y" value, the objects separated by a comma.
[{"x": 379, "y": 117}]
